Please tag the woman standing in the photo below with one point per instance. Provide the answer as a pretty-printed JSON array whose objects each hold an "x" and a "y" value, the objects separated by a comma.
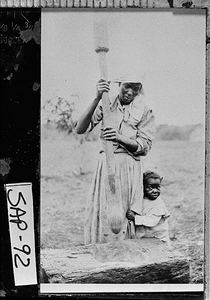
[{"x": 132, "y": 133}]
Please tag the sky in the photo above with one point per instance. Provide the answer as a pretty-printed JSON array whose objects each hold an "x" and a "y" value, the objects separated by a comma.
[{"x": 164, "y": 48}]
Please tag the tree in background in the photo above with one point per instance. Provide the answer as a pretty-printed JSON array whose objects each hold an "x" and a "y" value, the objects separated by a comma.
[
  {"x": 64, "y": 114},
  {"x": 61, "y": 112}
]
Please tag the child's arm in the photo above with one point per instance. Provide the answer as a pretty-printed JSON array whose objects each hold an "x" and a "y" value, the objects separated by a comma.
[
  {"x": 130, "y": 215},
  {"x": 149, "y": 221}
]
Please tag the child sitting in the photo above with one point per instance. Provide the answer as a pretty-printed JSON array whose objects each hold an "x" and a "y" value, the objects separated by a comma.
[{"x": 153, "y": 220}]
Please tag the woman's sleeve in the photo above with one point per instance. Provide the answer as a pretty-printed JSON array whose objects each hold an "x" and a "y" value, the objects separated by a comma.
[
  {"x": 149, "y": 221},
  {"x": 145, "y": 132},
  {"x": 96, "y": 118}
]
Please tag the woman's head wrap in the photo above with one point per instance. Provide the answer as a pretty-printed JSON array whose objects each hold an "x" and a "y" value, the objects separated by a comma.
[
  {"x": 150, "y": 174},
  {"x": 127, "y": 79}
]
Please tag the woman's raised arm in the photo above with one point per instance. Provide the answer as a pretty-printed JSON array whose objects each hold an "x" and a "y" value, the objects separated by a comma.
[{"x": 84, "y": 120}]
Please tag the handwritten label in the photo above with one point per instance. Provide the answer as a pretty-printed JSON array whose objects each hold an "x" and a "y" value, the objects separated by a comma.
[
  {"x": 9, "y": 32},
  {"x": 21, "y": 226}
]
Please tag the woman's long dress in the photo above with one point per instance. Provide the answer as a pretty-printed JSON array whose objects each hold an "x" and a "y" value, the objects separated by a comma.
[{"x": 135, "y": 121}]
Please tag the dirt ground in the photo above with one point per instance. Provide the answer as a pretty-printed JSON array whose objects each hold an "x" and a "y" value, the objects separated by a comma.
[{"x": 66, "y": 173}]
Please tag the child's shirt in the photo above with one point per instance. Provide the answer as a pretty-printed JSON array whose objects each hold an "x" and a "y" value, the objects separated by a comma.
[{"x": 153, "y": 220}]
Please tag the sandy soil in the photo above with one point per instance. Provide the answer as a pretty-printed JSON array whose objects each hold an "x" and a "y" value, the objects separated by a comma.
[{"x": 66, "y": 172}]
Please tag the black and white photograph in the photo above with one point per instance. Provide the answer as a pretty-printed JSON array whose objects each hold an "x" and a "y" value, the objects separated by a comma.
[
  {"x": 122, "y": 164},
  {"x": 104, "y": 150}
]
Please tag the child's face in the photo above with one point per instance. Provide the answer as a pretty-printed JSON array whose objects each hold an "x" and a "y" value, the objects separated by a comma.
[{"x": 152, "y": 188}]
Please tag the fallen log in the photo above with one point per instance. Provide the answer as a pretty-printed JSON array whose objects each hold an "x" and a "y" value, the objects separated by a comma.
[{"x": 130, "y": 261}]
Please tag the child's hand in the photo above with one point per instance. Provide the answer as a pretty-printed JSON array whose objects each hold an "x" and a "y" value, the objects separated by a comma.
[{"x": 130, "y": 215}]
